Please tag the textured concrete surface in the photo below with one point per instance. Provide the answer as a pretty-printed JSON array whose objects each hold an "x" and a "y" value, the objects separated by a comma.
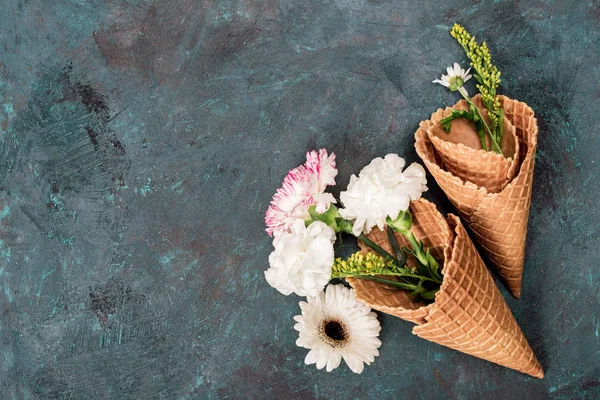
[{"x": 141, "y": 141}]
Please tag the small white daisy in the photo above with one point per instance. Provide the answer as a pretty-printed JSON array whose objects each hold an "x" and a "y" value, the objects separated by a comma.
[
  {"x": 335, "y": 324},
  {"x": 455, "y": 79}
]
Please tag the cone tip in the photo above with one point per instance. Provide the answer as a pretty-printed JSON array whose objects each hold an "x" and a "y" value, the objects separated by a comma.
[{"x": 515, "y": 288}]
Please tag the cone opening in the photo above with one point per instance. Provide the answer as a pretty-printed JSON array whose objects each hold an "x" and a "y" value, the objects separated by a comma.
[
  {"x": 460, "y": 153},
  {"x": 431, "y": 228},
  {"x": 432, "y": 159},
  {"x": 463, "y": 132},
  {"x": 527, "y": 139}
]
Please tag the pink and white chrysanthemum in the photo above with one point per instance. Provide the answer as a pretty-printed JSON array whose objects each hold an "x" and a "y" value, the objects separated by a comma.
[{"x": 302, "y": 187}]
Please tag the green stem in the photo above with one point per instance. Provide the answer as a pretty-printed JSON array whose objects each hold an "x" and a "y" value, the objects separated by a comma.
[
  {"x": 379, "y": 250},
  {"x": 495, "y": 145},
  {"x": 424, "y": 260},
  {"x": 390, "y": 282},
  {"x": 387, "y": 273},
  {"x": 417, "y": 247}
]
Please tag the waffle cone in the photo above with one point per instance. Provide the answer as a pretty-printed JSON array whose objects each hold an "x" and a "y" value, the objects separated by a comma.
[
  {"x": 469, "y": 314},
  {"x": 498, "y": 220},
  {"x": 464, "y": 157}
]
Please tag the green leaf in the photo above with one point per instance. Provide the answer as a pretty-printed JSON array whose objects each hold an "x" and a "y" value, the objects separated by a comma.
[
  {"x": 398, "y": 252},
  {"x": 500, "y": 125},
  {"x": 377, "y": 249},
  {"x": 390, "y": 282},
  {"x": 429, "y": 295},
  {"x": 422, "y": 268},
  {"x": 446, "y": 122},
  {"x": 480, "y": 130},
  {"x": 433, "y": 266},
  {"x": 478, "y": 78}
]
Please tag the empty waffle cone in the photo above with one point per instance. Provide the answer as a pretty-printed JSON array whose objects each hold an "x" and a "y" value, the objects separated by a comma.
[
  {"x": 469, "y": 314},
  {"x": 498, "y": 220}
]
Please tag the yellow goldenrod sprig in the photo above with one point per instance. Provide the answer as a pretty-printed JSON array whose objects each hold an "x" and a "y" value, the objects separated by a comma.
[
  {"x": 486, "y": 74},
  {"x": 366, "y": 264},
  {"x": 376, "y": 268}
]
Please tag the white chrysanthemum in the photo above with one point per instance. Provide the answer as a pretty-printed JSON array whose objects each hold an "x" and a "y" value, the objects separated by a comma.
[
  {"x": 455, "y": 79},
  {"x": 381, "y": 190},
  {"x": 302, "y": 260},
  {"x": 335, "y": 325}
]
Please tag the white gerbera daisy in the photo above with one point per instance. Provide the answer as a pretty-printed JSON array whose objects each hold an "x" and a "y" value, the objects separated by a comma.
[
  {"x": 455, "y": 79},
  {"x": 334, "y": 324}
]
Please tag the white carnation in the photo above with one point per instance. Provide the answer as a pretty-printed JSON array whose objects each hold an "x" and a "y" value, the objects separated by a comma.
[
  {"x": 381, "y": 190},
  {"x": 302, "y": 260}
]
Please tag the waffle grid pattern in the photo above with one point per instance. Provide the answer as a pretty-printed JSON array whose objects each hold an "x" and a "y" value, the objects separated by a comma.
[
  {"x": 464, "y": 161},
  {"x": 469, "y": 314},
  {"x": 435, "y": 234},
  {"x": 498, "y": 220}
]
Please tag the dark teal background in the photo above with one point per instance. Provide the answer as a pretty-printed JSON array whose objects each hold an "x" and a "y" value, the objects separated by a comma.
[{"x": 141, "y": 142}]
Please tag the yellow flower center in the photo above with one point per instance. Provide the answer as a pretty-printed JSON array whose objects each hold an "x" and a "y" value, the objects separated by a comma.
[{"x": 455, "y": 83}]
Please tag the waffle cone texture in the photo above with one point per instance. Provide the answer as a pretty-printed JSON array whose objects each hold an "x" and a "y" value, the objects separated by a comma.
[
  {"x": 469, "y": 314},
  {"x": 498, "y": 218}
]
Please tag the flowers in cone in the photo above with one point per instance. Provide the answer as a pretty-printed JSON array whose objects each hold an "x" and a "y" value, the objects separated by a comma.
[
  {"x": 488, "y": 78},
  {"x": 302, "y": 187},
  {"x": 302, "y": 260},
  {"x": 381, "y": 190},
  {"x": 304, "y": 223},
  {"x": 455, "y": 79},
  {"x": 335, "y": 325}
]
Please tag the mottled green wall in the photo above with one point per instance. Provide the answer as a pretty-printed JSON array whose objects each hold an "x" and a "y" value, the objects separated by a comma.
[{"x": 141, "y": 142}]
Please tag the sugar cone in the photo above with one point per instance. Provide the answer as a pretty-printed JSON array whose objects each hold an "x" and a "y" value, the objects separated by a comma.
[
  {"x": 498, "y": 220},
  {"x": 469, "y": 314}
]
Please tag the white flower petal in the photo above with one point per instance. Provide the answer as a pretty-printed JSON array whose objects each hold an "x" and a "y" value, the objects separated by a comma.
[
  {"x": 442, "y": 82},
  {"x": 354, "y": 363},
  {"x": 334, "y": 361},
  {"x": 311, "y": 357},
  {"x": 323, "y": 201},
  {"x": 381, "y": 190},
  {"x": 359, "y": 345},
  {"x": 302, "y": 260},
  {"x": 301, "y": 188}
]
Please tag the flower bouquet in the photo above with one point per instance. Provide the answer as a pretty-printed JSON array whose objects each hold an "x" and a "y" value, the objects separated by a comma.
[
  {"x": 481, "y": 152},
  {"x": 414, "y": 264}
]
